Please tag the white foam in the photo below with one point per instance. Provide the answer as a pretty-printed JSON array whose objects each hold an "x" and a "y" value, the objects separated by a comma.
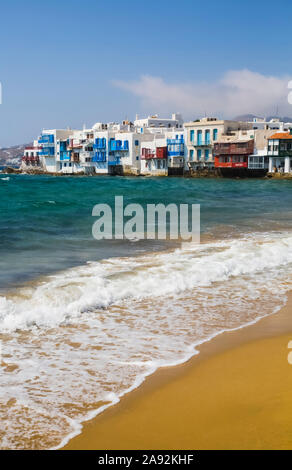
[
  {"x": 67, "y": 295},
  {"x": 83, "y": 338}
]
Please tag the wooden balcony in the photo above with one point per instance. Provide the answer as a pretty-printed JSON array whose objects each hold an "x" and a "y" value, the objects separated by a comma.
[
  {"x": 234, "y": 148},
  {"x": 149, "y": 154}
]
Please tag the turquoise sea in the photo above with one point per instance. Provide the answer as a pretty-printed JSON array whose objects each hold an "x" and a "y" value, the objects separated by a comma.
[
  {"x": 46, "y": 222},
  {"x": 82, "y": 322}
]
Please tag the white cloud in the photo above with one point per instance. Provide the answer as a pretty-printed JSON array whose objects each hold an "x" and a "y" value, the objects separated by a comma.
[{"x": 237, "y": 92}]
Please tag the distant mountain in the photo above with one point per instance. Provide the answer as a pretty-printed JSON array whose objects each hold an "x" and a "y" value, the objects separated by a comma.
[
  {"x": 250, "y": 117},
  {"x": 12, "y": 155}
]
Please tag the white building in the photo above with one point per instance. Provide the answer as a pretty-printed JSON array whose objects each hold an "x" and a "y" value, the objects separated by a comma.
[
  {"x": 280, "y": 152},
  {"x": 202, "y": 134},
  {"x": 51, "y": 148},
  {"x": 117, "y": 146},
  {"x": 155, "y": 123},
  {"x": 154, "y": 156},
  {"x": 163, "y": 155},
  {"x": 31, "y": 159},
  {"x": 273, "y": 124},
  {"x": 111, "y": 148}
]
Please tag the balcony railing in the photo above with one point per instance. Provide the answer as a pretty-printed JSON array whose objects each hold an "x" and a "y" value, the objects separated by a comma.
[
  {"x": 47, "y": 152},
  {"x": 175, "y": 141},
  {"x": 175, "y": 149},
  {"x": 99, "y": 144},
  {"x": 118, "y": 145},
  {"x": 147, "y": 154},
  {"x": 99, "y": 157},
  {"x": 33, "y": 159},
  {"x": 161, "y": 152},
  {"x": 202, "y": 143},
  {"x": 235, "y": 148},
  {"x": 46, "y": 139}
]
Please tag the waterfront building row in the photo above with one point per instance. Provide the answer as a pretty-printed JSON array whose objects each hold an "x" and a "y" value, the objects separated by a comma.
[{"x": 156, "y": 146}]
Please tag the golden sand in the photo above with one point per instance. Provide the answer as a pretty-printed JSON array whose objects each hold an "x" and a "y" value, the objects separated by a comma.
[{"x": 236, "y": 394}]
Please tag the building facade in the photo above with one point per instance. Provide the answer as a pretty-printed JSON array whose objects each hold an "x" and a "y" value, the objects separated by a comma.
[
  {"x": 280, "y": 152},
  {"x": 233, "y": 155},
  {"x": 202, "y": 136}
]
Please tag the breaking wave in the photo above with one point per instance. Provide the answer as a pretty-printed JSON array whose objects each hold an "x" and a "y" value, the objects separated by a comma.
[{"x": 75, "y": 342}]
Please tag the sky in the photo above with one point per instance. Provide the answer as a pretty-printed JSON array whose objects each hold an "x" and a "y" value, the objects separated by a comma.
[{"x": 68, "y": 63}]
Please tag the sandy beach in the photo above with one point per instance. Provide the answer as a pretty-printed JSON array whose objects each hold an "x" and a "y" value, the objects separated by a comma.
[{"x": 236, "y": 394}]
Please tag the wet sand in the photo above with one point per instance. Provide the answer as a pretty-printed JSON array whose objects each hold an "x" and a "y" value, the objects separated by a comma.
[{"x": 236, "y": 394}]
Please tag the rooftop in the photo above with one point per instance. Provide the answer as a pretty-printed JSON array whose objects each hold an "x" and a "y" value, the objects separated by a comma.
[{"x": 281, "y": 135}]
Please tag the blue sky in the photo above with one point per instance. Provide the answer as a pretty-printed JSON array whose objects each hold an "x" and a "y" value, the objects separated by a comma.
[{"x": 66, "y": 63}]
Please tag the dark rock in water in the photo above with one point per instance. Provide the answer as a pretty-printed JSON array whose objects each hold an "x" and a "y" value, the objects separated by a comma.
[{"x": 10, "y": 169}]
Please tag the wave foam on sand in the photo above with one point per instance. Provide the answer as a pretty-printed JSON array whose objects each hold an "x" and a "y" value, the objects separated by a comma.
[{"x": 74, "y": 343}]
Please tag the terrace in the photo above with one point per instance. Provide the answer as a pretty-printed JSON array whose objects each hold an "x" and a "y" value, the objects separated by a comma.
[{"x": 234, "y": 148}]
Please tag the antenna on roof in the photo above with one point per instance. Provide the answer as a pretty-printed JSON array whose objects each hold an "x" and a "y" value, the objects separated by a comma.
[{"x": 277, "y": 111}]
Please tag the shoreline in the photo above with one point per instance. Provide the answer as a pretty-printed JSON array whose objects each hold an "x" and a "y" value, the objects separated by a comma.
[
  {"x": 209, "y": 174},
  {"x": 142, "y": 418},
  {"x": 197, "y": 174}
]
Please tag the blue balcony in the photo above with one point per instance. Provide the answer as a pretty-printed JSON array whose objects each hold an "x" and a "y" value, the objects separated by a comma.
[
  {"x": 99, "y": 143},
  {"x": 114, "y": 162},
  {"x": 65, "y": 156},
  {"x": 175, "y": 147},
  {"x": 118, "y": 145},
  {"x": 47, "y": 151},
  {"x": 176, "y": 141},
  {"x": 99, "y": 156},
  {"x": 46, "y": 139}
]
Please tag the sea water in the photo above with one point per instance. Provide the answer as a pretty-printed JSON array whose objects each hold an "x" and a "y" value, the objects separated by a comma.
[{"x": 82, "y": 322}]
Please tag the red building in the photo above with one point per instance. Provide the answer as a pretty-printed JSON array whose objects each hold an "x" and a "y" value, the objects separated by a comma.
[
  {"x": 233, "y": 154},
  {"x": 31, "y": 156}
]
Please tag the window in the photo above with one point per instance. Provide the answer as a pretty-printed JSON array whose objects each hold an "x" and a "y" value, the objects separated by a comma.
[
  {"x": 207, "y": 136},
  {"x": 199, "y": 154},
  {"x": 192, "y": 134},
  {"x": 136, "y": 142},
  {"x": 206, "y": 154},
  {"x": 199, "y": 138},
  {"x": 191, "y": 154},
  {"x": 215, "y": 134},
  {"x": 137, "y": 158}
]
